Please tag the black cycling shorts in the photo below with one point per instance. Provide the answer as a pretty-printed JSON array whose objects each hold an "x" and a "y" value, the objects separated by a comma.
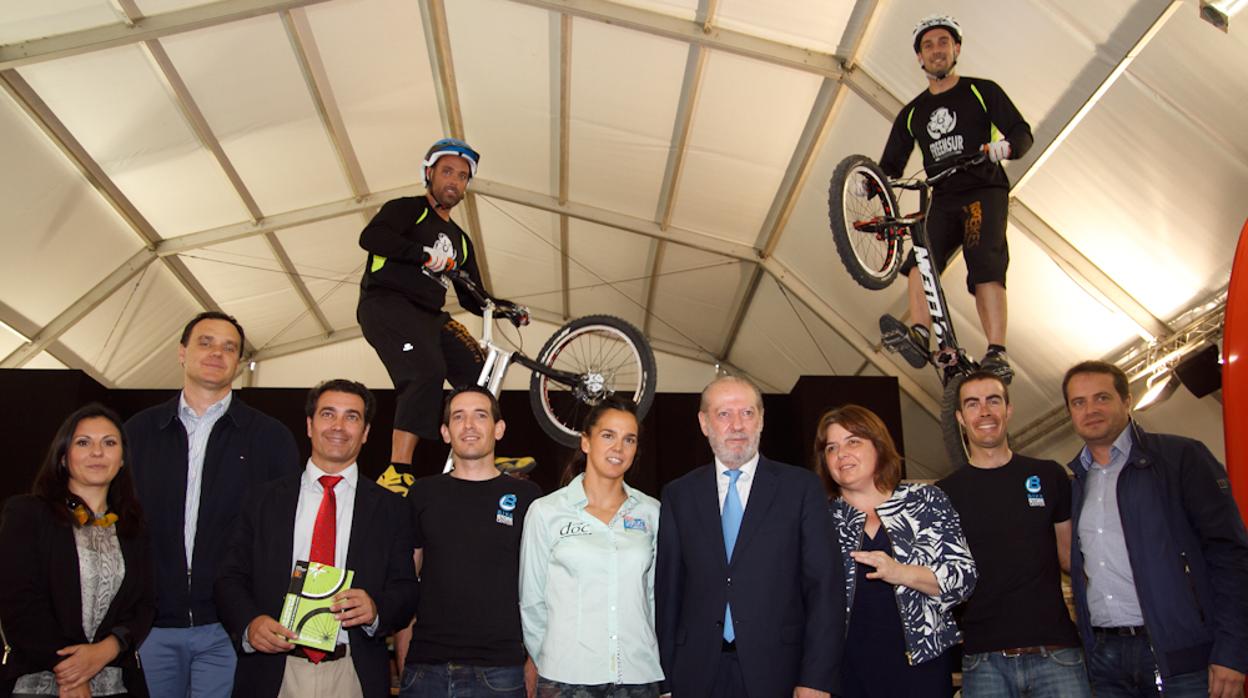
[
  {"x": 975, "y": 221},
  {"x": 420, "y": 349}
]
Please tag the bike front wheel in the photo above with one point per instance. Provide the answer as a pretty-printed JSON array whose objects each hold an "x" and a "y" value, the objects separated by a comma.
[
  {"x": 950, "y": 430},
  {"x": 608, "y": 356},
  {"x": 870, "y": 250}
]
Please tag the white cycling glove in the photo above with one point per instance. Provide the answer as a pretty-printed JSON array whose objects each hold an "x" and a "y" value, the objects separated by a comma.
[
  {"x": 998, "y": 150},
  {"x": 858, "y": 187},
  {"x": 438, "y": 258}
]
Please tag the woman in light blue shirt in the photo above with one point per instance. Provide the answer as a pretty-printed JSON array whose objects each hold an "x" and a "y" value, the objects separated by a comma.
[{"x": 587, "y": 571}]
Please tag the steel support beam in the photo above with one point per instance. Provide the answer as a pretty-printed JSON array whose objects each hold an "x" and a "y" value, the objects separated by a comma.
[
  {"x": 56, "y": 349},
  {"x": 149, "y": 28},
  {"x": 564, "y": 144},
  {"x": 79, "y": 309},
  {"x": 695, "y": 32},
  {"x": 438, "y": 42}
]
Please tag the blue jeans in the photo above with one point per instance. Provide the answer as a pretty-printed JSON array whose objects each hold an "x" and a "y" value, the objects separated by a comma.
[
  {"x": 1059, "y": 673},
  {"x": 1124, "y": 666},
  {"x": 461, "y": 681},
  {"x": 195, "y": 662}
]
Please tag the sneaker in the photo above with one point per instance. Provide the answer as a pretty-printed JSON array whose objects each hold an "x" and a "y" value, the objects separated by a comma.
[
  {"x": 999, "y": 363},
  {"x": 907, "y": 341}
]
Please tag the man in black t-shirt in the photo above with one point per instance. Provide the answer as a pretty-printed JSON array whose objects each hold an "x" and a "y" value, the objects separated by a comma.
[
  {"x": 466, "y": 639},
  {"x": 1015, "y": 511},
  {"x": 957, "y": 116},
  {"x": 400, "y": 309}
]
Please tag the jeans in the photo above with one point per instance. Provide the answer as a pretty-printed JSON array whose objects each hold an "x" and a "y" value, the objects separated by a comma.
[
  {"x": 1124, "y": 666},
  {"x": 196, "y": 662},
  {"x": 554, "y": 689},
  {"x": 1059, "y": 673},
  {"x": 461, "y": 681}
]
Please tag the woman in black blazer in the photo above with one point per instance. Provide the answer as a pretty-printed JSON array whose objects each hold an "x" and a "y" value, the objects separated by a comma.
[{"x": 76, "y": 595}]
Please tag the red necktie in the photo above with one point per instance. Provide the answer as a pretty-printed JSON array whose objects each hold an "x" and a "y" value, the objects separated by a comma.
[{"x": 324, "y": 533}]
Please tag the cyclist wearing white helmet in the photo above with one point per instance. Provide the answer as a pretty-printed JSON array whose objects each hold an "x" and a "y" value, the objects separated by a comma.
[
  {"x": 400, "y": 308},
  {"x": 957, "y": 116}
]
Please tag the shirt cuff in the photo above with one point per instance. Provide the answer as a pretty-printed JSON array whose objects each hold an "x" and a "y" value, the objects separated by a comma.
[{"x": 371, "y": 628}]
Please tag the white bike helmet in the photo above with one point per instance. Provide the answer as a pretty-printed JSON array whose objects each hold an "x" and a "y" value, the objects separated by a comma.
[
  {"x": 450, "y": 146},
  {"x": 934, "y": 22}
]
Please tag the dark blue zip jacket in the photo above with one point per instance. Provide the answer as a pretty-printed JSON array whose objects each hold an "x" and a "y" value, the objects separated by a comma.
[
  {"x": 1188, "y": 551},
  {"x": 246, "y": 448}
]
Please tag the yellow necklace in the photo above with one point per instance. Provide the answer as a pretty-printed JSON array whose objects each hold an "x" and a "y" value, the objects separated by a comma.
[{"x": 82, "y": 517}]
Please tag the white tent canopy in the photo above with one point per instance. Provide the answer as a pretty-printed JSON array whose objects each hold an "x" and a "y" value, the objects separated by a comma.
[{"x": 665, "y": 161}]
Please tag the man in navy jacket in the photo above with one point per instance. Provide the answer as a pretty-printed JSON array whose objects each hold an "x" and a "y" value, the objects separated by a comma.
[
  {"x": 766, "y": 616},
  {"x": 1159, "y": 562},
  {"x": 194, "y": 457}
]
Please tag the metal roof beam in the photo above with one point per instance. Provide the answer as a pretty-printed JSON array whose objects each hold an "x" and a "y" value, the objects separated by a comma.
[
  {"x": 148, "y": 28},
  {"x": 56, "y": 349},
  {"x": 564, "y": 144}
]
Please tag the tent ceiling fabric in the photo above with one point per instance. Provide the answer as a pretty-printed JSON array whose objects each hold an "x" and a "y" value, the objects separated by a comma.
[{"x": 228, "y": 153}]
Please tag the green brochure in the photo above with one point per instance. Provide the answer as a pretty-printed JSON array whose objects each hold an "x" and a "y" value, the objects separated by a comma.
[{"x": 306, "y": 610}]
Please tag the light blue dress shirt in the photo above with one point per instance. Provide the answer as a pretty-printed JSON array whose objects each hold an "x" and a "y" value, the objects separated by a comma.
[
  {"x": 1112, "y": 601},
  {"x": 587, "y": 589},
  {"x": 198, "y": 429}
]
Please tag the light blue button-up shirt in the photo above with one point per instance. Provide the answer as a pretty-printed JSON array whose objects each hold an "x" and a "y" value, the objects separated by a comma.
[
  {"x": 1112, "y": 601},
  {"x": 587, "y": 589},
  {"x": 198, "y": 429}
]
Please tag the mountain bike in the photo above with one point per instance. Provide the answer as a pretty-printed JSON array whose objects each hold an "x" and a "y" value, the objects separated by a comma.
[
  {"x": 870, "y": 238},
  {"x": 584, "y": 362}
]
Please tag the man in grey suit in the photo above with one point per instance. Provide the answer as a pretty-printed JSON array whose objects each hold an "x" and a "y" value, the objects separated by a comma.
[{"x": 749, "y": 590}]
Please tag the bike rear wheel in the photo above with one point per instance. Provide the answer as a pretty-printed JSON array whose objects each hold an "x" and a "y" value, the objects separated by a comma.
[
  {"x": 871, "y": 257},
  {"x": 608, "y": 356}
]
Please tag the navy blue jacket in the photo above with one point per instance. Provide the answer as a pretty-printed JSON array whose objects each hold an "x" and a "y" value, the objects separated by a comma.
[
  {"x": 1188, "y": 552},
  {"x": 785, "y": 581},
  {"x": 246, "y": 448}
]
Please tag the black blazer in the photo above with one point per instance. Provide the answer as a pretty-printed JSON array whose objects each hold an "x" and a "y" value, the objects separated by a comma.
[
  {"x": 785, "y": 581},
  {"x": 41, "y": 594},
  {"x": 256, "y": 574}
]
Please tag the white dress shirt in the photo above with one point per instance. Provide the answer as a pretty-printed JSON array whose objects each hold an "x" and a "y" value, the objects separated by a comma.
[{"x": 744, "y": 481}]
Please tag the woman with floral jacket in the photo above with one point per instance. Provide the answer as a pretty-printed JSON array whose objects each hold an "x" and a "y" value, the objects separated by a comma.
[{"x": 912, "y": 562}]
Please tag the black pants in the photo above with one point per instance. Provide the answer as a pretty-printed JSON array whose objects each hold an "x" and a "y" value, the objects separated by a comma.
[
  {"x": 975, "y": 221},
  {"x": 419, "y": 349}
]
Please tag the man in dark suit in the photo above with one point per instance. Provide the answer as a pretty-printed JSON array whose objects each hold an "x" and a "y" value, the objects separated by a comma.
[
  {"x": 327, "y": 514},
  {"x": 749, "y": 591}
]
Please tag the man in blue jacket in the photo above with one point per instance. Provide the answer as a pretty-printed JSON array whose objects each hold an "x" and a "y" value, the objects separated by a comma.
[
  {"x": 194, "y": 457},
  {"x": 1159, "y": 562}
]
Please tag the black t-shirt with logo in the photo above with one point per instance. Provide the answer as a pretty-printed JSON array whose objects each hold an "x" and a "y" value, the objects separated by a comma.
[
  {"x": 955, "y": 123},
  {"x": 469, "y": 532},
  {"x": 1008, "y": 514}
]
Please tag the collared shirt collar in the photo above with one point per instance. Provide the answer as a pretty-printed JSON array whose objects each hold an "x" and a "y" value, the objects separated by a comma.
[
  {"x": 1118, "y": 451},
  {"x": 574, "y": 494},
  {"x": 216, "y": 409},
  {"x": 312, "y": 474},
  {"x": 747, "y": 469}
]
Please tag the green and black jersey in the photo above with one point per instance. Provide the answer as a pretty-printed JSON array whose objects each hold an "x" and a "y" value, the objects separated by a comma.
[
  {"x": 394, "y": 239},
  {"x": 954, "y": 123}
]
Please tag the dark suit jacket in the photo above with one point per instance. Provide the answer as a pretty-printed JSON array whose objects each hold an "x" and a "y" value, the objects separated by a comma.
[
  {"x": 785, "y": 582},
  {"x": 41, "y": 594},
  {"x": 257, "y": 568}
]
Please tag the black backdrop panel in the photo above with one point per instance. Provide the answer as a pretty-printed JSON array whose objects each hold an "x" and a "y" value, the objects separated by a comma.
[{"x": 671, "y": 444}]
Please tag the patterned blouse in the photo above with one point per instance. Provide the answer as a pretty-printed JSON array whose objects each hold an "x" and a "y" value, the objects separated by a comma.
[
  {"x": 101, "y": 569},
  {"x": 925, "y": 530}
]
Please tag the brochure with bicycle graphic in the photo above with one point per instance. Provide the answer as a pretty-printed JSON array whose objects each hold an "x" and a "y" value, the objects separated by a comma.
[{"x": 306, "y": 608}]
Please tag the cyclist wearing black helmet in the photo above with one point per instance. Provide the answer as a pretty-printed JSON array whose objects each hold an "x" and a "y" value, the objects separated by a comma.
[
  {"x": 955, "y": 116},
  {"x": 400, "y": 309}
]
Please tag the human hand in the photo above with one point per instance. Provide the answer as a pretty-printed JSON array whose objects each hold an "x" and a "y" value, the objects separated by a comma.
[
  {"x": 354, "y": 607},
  {"x": 1225, "y": 682},
  {"x": 437, "y": 259},
  {"x": 83, "y": 690},
  {"x": 84, "y": 661},
  {"x": 997, "y": 150},
  {"x": 803, "y": 692},
  {"x": 267, "y": 635},
  {"x": 886, "y": 568}
]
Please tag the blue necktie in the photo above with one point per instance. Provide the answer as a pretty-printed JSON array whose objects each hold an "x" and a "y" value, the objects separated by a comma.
[{"x": 733, "y": 511}]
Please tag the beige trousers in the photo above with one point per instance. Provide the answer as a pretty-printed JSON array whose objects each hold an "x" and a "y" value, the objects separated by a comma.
[{"x": 336, "y": 679}]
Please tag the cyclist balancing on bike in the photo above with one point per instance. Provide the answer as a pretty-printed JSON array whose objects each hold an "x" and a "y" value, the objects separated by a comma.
[
  {"x": 956, "y": 116},
  {"x": 400, "y": 309}
]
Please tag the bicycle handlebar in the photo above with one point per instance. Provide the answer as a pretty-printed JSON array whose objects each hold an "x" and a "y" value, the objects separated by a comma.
[
  {"x": 960, "y": 163},
  {"x": 517, "y": 314}
]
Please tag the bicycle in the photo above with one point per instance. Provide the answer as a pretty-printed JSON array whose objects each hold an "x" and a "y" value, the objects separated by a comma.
[
  {"x": 581, "y": 364},
  {"x": 870, "y": 240}
]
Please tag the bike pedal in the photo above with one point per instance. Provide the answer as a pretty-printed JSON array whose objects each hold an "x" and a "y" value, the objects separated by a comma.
[{"x": 896, "y": 338}]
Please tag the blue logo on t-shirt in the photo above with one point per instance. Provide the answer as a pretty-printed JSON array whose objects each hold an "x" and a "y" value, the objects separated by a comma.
[
  {"x": 1033, "y": 484},
  {"x": 507, "y": 502}
]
